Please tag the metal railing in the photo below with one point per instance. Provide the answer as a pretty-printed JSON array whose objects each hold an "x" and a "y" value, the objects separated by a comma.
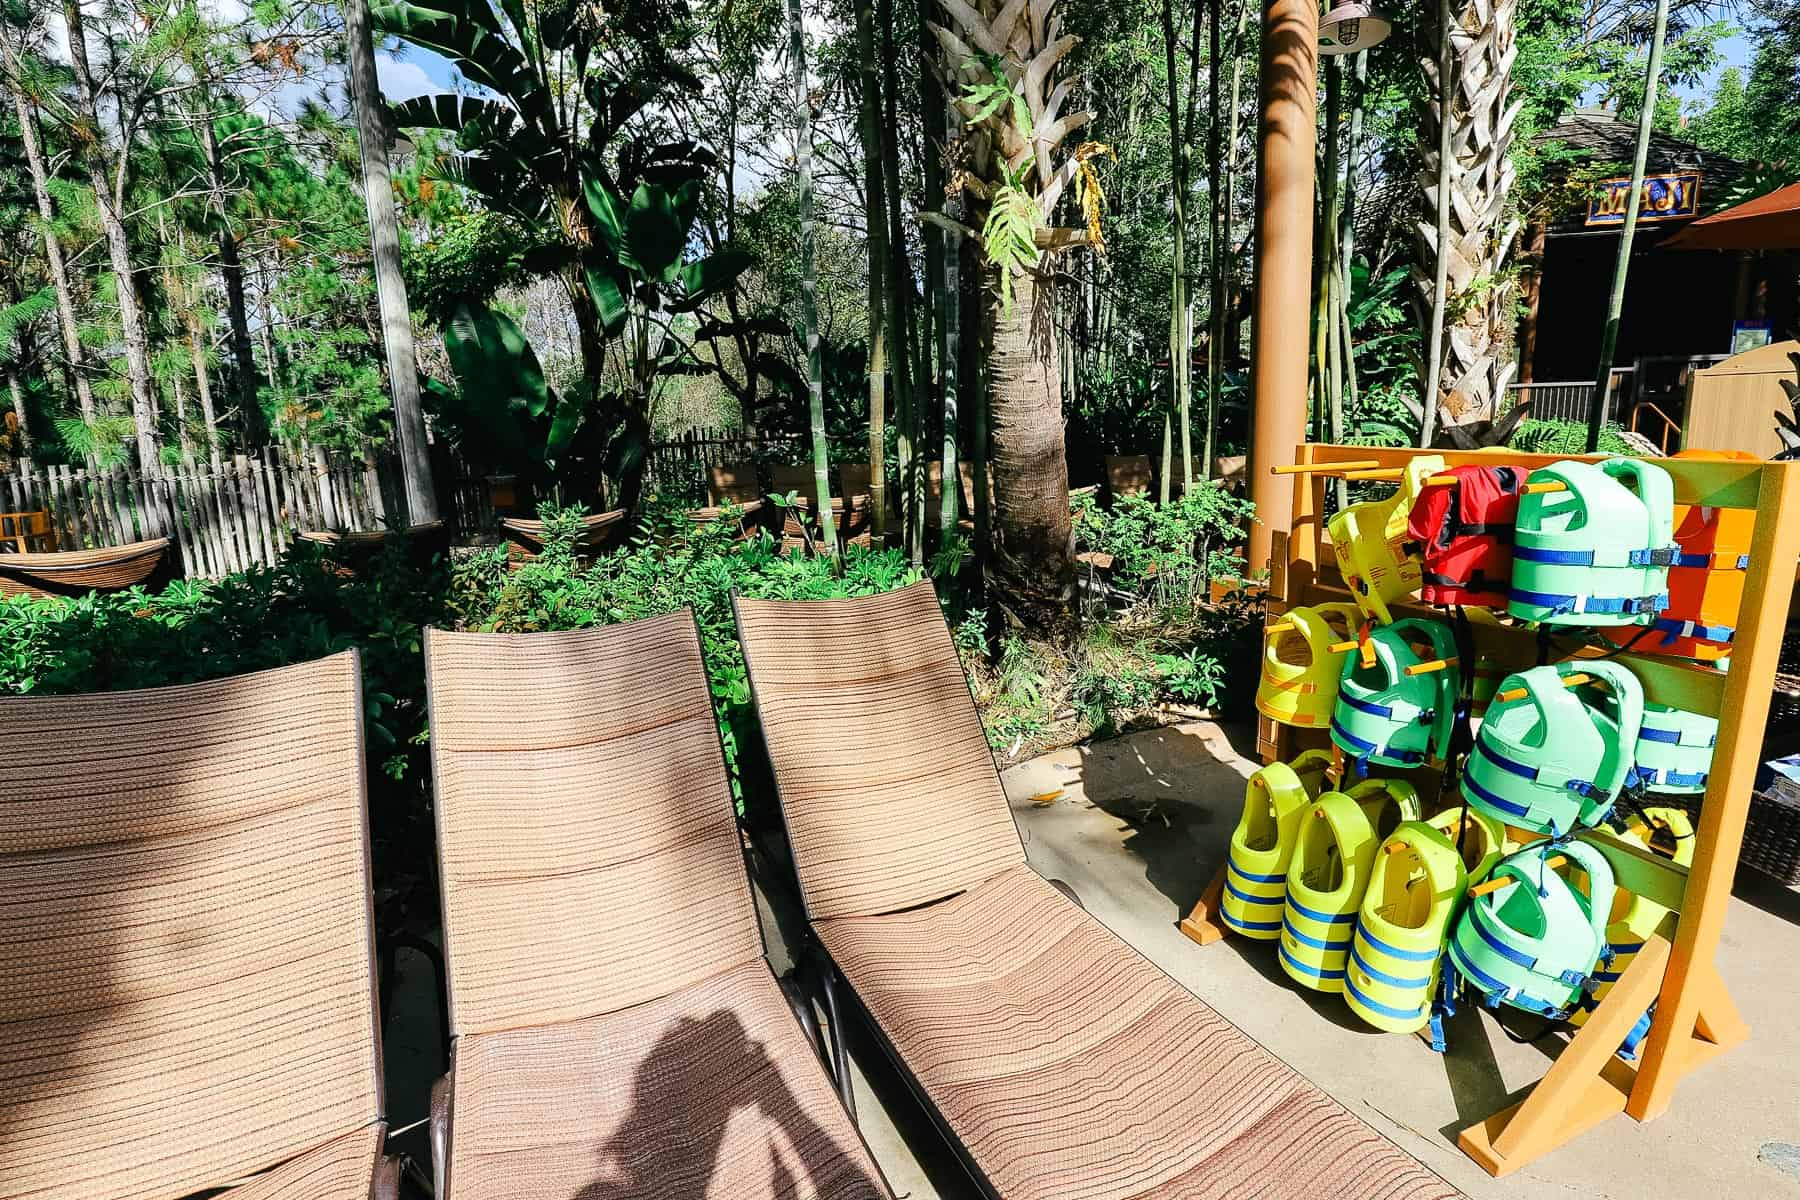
[{"x": 1567, "y": 400}]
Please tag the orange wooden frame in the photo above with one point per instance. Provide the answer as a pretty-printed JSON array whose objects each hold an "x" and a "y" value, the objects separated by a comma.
[{"x": 1694, "y": 1017}]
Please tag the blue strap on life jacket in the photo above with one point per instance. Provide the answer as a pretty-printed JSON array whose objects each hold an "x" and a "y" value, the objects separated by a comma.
[
  {"x": 1310, "y": 972},
  {"x": 1649, "y": 556},
  {"x": 1581, "y": 787},
  {"x": 1499, "y": 802},
  {"x": 1672, "y": 629},
  {"x": 1647, "y": 777},
  {"x": 1247, "y": 898},
  {"x": 1629, "y": 1048},
  {"x": 1248, "y": 926},
  {"x": 1444, "y": 1006},
  {"x": 1321, "y": 918},
  {"x": 1560, "y": 603},
  {"x": 1366, "y": 750},
  {"x": 1706, "y": 560},
  {"x": 1315, "y": 943}
]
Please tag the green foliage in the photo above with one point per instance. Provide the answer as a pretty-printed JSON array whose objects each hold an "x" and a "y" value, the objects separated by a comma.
[
  {"x": 1565, "y": 437},
  {"x": 671, "y": 566},
  {"x": 468, "y": 258},
  {"x": 1010, "y": 233},
  {"x": 1169, "y": 553},
  {"x": 301, "y": 609}
]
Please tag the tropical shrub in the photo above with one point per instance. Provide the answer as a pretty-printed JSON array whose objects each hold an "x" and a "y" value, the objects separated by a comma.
[{"x": 1169, "y": 553}]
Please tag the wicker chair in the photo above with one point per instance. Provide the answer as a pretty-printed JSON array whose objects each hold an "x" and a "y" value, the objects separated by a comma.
[
  {"x": 599, "y": 532},
  {"x": 618, "y": 1034},
  {"x": 188, "y": 996},
  {"x": 74, "y": 572},
  {"x": 802, "y": 482},
  {"x": 1057, "y": 1060}
]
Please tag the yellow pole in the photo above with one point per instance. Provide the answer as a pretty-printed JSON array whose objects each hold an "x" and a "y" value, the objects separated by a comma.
[{"x": 1284, "y": 235}]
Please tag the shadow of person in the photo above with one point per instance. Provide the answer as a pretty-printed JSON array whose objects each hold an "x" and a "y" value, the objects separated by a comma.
[{"x": 711, "y": 1113}]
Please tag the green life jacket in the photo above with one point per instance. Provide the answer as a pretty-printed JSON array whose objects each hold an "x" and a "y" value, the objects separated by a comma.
[
  {"x": 1414, "y": 887},
  {"x": 1597, "y": 553},
  {"x": 1387, "y": 717},
  {"x": 1556, "y": 758},
  {"x": 1276, "y": 798},
  {"x": 1674, "y": 749},
  {"x": 1534, "y": 942}
]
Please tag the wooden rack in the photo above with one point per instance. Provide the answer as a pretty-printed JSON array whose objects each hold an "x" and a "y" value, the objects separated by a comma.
[{"x": 1694, "y": 1018}]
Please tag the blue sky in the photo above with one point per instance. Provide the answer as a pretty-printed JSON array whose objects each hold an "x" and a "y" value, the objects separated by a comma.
[{"x": 407, "y": 71}]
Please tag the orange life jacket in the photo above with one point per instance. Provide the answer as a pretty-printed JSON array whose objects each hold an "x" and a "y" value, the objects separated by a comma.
[
  {"x": 1467, "y": 534},
  {"x": 1706, "y": 583}
]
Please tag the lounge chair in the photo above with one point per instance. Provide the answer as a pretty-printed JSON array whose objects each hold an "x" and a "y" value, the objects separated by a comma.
[
  {"x": 1058, "y": 1061},
  {"x": 802, "y": 483},
  {"x": 599, "y": 531},
  {"x": 187, "y": 1000},
  {"x": 618, "y": 1033},
  {"x": 1129, "y": 475},
  {"x": 733, "y": 487},
  {"x": 75, "y": 572}
]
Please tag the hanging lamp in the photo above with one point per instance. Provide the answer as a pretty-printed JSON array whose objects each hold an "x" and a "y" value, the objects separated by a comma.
[{"x": 1353, "y": 26}]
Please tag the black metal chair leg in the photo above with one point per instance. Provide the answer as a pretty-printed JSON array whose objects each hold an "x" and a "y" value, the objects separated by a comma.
[{"x": 833, "y": 1013}]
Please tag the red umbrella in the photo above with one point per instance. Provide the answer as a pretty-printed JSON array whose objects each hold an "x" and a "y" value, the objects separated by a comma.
[{"x": 1770, "y": 222}]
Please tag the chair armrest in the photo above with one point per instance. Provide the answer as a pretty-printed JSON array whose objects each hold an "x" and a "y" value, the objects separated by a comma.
[
  {"x": 386, "y": 1184},
  {"x": 439, "y": 1128}
]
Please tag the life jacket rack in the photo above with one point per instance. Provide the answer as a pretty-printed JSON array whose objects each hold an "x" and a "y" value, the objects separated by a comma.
[{"x": 1673, "y": 978}]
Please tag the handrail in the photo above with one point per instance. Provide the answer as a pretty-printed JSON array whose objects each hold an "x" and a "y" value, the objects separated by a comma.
[{"x": 1669, "y": 423}]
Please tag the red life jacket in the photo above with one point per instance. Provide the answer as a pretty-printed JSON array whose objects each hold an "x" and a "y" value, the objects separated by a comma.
[{"x": 1467, "y": 534}]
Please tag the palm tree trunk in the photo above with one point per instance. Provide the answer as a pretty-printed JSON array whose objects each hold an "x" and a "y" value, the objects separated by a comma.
[
  {"x": 107, "y": 204},
  {"x": 875, "y": 230},
  {"x": 1032, "y": 536},
  {"x": 809, "y": 281},
  {"x": 66, "y": 322},
  {"x": 390, "y": 285}
]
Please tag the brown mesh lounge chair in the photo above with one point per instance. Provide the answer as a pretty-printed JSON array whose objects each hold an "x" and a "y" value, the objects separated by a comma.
[
  {"x": 187, "y": 993},
  {"x": 733, "y": 486},
  {"x": 1059, "y": 1062},
  {"x": 801, "y": 481},
  {"x": 73, "y": 572},
  {"x": 1128, "y": 475},
  {"x": 599, "y": 531},
  {"x": 619, "y": 1035}
]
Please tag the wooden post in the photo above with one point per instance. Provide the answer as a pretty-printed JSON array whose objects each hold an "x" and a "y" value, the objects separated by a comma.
[
  {"x": 327, "y": 502},
  {"x": 1585, "y": 1085},
  {"x": 1284, "y": 234},
  {"x": 1719, "y": 835}
]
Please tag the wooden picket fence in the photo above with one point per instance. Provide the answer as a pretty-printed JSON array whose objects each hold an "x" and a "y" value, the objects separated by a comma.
[
  {"x": 220, "y": 517},
  {"x": 678, "y": 465}
]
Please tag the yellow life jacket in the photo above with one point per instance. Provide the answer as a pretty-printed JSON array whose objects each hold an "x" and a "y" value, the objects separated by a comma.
[
  {"x": 1299, "y": 672},
  {"x": 1387, "y": 803},
  {"x": 1370, "y": 542},
  {"x": 1276, "y": 799},
  {"x": 1325, "y": 886},
  {"x": 1634, "y": 918},
  {"x": 1483, "y": 845},
  {"x": 1414, "y": 886}
]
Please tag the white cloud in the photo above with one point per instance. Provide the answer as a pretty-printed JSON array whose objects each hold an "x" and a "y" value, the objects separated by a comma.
[{"x": 403, "y": 80}]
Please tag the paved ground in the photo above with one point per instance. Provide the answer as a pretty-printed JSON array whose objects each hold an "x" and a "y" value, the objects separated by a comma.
[{"x": 1142, "y": 824}]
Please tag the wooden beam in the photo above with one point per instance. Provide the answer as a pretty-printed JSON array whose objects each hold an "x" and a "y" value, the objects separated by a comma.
[
  {"x": 1719, "y": 836},
  {"x": 1203, "y": 924},
  {"x": 1584, "y": 1086}
]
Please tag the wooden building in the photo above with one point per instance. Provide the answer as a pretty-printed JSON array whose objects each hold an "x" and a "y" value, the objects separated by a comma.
[{"x": 1681, "y": 307}]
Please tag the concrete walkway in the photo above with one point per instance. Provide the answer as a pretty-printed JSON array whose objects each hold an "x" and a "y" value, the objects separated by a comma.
[
  {"x": 1139, "y": 826},
  {"x": 1142, "y": 824}
]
